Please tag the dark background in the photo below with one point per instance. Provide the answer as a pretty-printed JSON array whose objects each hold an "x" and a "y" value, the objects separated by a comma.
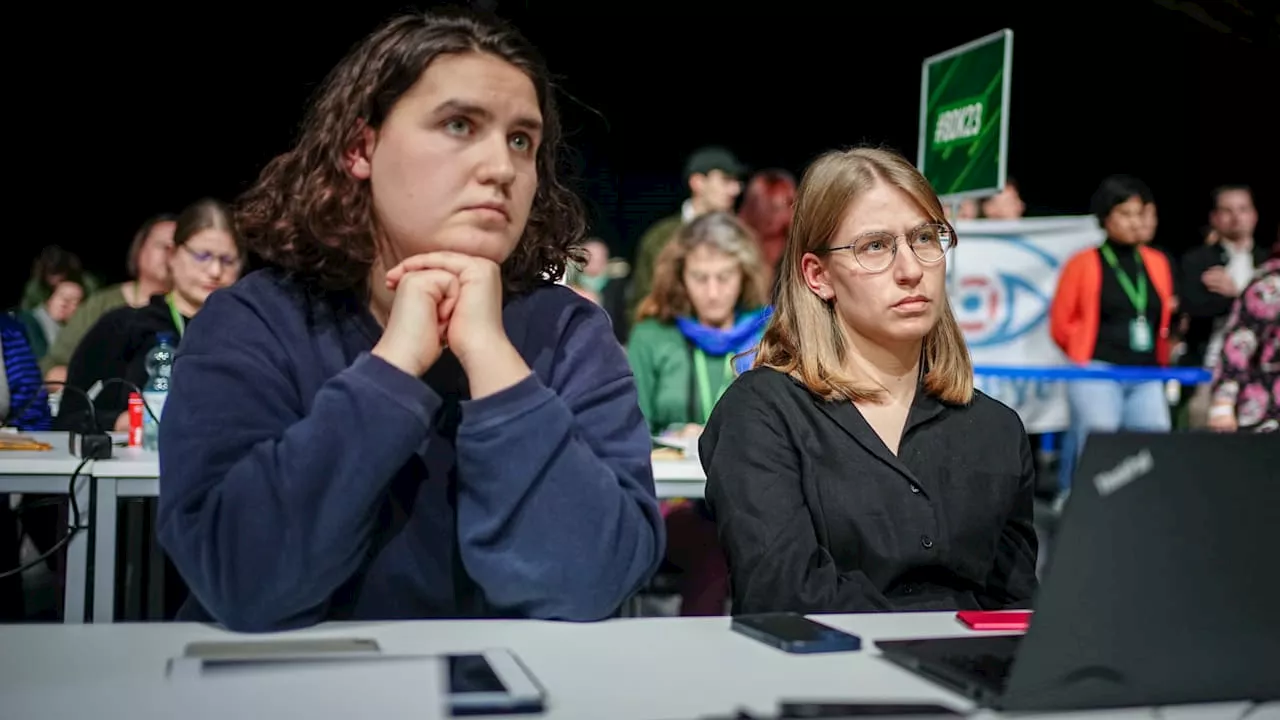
[{"x": 118, "y": 113}]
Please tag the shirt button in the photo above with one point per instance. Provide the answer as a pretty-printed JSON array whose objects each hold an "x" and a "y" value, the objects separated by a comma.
[
  {"x": 915, "y": 489},
  {"x": 926, "y": 542}
]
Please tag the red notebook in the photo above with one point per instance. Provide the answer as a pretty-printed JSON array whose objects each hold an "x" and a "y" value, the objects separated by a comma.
[{"x": 995, "y": 619}]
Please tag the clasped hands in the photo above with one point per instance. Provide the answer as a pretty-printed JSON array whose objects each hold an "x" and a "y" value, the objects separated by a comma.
[{"x": 443, "y": 299}]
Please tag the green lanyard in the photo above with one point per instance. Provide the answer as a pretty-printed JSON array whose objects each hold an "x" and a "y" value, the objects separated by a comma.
[
  {"x": 1137, "y": 295},
  {"x": 178, "y": 322},
  {"x": 704, "y": 381}
]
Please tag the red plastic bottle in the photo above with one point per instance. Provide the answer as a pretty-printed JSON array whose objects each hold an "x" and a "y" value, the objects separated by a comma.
[{"x": 135, "y": 420}]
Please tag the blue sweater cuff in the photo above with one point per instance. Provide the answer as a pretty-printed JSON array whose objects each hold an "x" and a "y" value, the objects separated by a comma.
[
  {"x": 397, "y": 386},
  {"x": 503, "y": 406}
]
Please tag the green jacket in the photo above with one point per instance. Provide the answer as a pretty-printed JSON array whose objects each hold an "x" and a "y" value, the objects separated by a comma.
[
  {"x": 650, "y": 246},
  {"x": 662, "y": 362},
  {"x": 85, "y": 317}
]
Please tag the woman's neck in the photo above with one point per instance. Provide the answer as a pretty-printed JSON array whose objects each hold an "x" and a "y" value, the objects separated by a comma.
[
  {"x": 142, "y": 288},
  {"x": 895, "y": 369},
  {"x": 185, "y": 307}
]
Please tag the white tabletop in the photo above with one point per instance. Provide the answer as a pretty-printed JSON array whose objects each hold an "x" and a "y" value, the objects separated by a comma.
[
  {"x": 646, "y": 669},
  {"x": 129, "y": 463},
  {"x": 136, "y": 463},
  {"x": 56, "y": 461}
]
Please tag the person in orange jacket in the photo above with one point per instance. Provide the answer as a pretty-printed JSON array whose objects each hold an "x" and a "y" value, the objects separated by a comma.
[{"x": 1112, "y": 309}]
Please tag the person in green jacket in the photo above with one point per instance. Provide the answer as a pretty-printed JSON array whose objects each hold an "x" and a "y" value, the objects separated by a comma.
[
  {"x": 148, "y": 262},
  {"x": 714, "y": 176},
  {"x": 706, "y": 312},
  {"x": 51, "y": 267}
]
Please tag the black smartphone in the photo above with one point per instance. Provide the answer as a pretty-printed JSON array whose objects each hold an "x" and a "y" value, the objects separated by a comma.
[
  {"x": 795, "y": 633},
  {"x": 797, "y": 710}
]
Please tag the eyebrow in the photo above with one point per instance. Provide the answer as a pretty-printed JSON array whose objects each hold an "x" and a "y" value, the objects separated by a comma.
[
  {"x": 908, "y": 232},
  {"x": 462, "y": 107}
]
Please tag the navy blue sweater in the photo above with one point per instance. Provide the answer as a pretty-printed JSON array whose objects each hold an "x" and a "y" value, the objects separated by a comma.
[{"x": 304, "y": 479}]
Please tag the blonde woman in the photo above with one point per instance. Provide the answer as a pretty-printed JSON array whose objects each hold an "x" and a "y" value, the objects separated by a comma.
[{"x": 855, "y": 468}]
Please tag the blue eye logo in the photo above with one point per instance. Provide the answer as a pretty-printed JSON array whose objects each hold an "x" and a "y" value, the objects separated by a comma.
[{"x": 1005, "y": 302}]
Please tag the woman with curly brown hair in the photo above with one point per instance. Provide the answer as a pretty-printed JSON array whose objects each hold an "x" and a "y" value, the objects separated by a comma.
[{"x": 413, "y": 420}]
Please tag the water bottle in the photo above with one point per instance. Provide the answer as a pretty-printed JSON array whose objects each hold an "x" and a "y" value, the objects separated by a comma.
[{"x": 159, "y": 366}]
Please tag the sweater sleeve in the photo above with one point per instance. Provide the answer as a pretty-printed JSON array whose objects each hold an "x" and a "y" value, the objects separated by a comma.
[
  {"x": 268, "y": 506},
  {"x": 557, "y": 516},
  {"x": 102, "y": 355}
]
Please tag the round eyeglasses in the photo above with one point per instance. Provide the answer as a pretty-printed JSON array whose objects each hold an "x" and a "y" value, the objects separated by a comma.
[{"x": 876, "y": 251}]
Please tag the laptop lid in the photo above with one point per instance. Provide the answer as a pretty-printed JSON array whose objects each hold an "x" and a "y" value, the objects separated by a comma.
[{"x": 1163, "y": 586}]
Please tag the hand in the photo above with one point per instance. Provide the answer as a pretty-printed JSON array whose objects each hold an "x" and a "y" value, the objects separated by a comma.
[
  {"x": 691, "y": 430},
  {"x": 1218, "y": 281},
  {"x": 122, "y": 422},
  {"x": 475, "y": 326},
  {"x": 419, "y": 319},
  {"x": 1222, "y": 422}
]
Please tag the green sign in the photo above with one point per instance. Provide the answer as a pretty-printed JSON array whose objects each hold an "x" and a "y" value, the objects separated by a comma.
[{"x": 964, "y": 117}]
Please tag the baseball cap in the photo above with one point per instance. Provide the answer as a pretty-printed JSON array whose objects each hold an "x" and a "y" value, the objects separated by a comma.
[{"x": 713, "y": 157}]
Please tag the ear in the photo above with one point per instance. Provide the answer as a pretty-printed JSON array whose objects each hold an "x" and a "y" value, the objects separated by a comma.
[
  {"x": 815, "y": 276},
  {"x": 697, "y": 182},
  {"x": 359, "y": 157}
]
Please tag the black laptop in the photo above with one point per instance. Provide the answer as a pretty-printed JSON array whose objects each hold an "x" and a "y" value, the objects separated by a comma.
[{"x": 1163, "y": 586}]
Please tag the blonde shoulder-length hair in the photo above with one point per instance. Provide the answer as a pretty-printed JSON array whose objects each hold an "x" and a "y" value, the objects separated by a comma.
[
  {"x": 722, "y": 231},
  {"x": 804, "y": 338}
]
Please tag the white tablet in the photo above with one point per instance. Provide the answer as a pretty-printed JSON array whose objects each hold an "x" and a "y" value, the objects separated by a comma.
[{"x": 492, "y": 682}]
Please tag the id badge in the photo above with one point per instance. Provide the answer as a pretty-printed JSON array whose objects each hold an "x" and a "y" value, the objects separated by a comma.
[{"x": 1140, "y": 335}]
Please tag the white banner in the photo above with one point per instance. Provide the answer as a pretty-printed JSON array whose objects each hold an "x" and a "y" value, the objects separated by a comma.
[{"x": 1001, "y": 279}]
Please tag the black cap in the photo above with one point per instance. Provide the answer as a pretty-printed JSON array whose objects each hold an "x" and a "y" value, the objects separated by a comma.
[{"x": 704, "y": 160}]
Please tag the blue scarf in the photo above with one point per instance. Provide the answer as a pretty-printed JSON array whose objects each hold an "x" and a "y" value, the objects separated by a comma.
[{"x": 744, "y": 335}]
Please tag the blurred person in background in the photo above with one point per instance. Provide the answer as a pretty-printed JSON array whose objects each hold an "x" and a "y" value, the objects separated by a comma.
[
  {"x": 51, "y": 267},
  {"x": 767, "y": 209},
  {"x": 207, "y": 255},
  {"x": 1212, "y": 276},
  {"x": 707, "y": 305},
  {"x": 25, "y": 407},
  {"x": 714, "y": 177},
  {"x": 602, "y": 280},
  {"x": 148, "y": 264},
  {"x": 1004, "y": 205},
  {"x": 1245, "y": 394},
  {"x": 966, "y": 209},
  {"x": 1112, "y": 308},
  {"x": 46, "y": 321}
]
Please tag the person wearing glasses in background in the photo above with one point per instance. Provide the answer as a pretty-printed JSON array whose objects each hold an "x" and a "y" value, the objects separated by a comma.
[
  {"x": 855, "y": 468},
  {"x": 206, "y": 256}
]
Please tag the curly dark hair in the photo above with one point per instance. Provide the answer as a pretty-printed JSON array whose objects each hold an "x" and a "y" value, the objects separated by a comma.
[{"x": 307, "y": 215}]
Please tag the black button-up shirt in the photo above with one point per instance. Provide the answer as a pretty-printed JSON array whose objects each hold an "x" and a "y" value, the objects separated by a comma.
[{"x": 817, "y": 515}]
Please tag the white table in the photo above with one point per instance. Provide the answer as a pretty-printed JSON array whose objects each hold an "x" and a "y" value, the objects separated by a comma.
[
  {"x": 130, "y": 473},
  {"x": 645, "y": 669},
  {"x": 49, "y": 472},
  {"x": 679, "y": 479},
  {"x": 135, "y": 473}
]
